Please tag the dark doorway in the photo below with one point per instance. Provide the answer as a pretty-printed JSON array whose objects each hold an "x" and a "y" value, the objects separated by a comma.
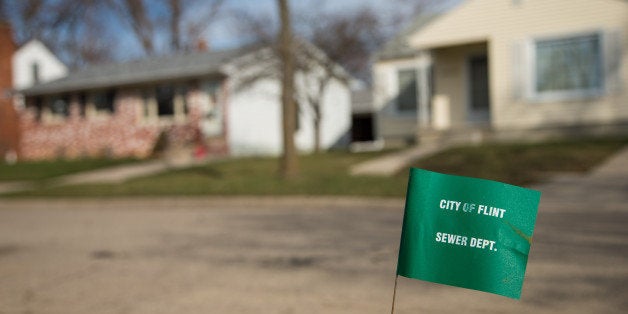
[
  {"x": 362, "y": 128},
  {"x": 479, "y": 94}
]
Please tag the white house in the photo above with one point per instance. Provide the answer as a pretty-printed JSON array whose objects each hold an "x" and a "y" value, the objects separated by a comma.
[
  {"x": 34, "y": 63},
  {"x": 254, "y": 118},
  {"x": 507, "y": 69},
  {"x": 201, "y": 99}
]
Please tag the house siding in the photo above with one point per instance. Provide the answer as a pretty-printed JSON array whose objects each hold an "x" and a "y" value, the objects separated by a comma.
[
  {"x": 451, "y": 80},
  {"x": 392, "y": 126},
  {"x": 510, "y": 28},
  {"x": 34, "y": 52},
  {"x": 336, "y": 116},
  {"x": 255, "y": 115},
  {"x": 9, "y": 132}
]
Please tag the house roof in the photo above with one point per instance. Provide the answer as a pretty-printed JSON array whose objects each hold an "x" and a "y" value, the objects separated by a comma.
[
  {"x": 398, "y": 46},
  {"x": 147, "y": 70}
]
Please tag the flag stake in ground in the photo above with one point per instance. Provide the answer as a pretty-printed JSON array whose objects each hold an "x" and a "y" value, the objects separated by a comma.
[
  {"x": 392, "y": 310},
  {"x": 466, "y": 232}
]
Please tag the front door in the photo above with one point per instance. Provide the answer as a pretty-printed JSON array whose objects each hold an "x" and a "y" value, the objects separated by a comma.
[{"x": 479, "y": 99}]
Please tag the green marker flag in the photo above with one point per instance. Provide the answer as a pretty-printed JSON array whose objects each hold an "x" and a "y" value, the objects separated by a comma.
[{"x": 467, "y": 232}]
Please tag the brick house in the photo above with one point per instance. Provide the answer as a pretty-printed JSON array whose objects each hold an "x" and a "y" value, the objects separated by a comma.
[
  {"x": 9, "y": 132},
  {"x": 192, "y": 100}
]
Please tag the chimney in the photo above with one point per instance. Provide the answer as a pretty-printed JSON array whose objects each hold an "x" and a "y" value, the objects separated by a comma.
[{"x": 202, "y": 45}]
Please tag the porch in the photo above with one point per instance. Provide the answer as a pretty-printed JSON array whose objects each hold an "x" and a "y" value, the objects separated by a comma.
[{"x": 458, "y": 105}]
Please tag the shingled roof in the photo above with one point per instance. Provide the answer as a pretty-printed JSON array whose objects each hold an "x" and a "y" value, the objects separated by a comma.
[{"x": 147, "y": 70}]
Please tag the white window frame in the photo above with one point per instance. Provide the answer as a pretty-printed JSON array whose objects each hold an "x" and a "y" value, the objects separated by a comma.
[
  {"x": 563, "y": 95},
  {"x": 148, "y": 106}
]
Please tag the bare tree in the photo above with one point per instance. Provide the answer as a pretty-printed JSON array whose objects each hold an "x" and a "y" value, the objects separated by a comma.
[
  {"x": 183, "y": 21},
  {"x": 345, "y": 38},
  {"x": 288, "y": 164},
  {"x": 317, "y": 71},
  {"x": 135, "y": 13},
  {"x": 88, "y": 31},
  {"x": 348, "y": 38}
]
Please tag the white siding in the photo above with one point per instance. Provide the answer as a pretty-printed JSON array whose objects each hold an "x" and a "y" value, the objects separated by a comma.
[
  {"x": 391, "y": 123},
  {"x": 254, "y": 119},
  {"x": 509, "y": 27},
  {"x": 34, "y": 52},
  {"x": 336, "y": 124}
]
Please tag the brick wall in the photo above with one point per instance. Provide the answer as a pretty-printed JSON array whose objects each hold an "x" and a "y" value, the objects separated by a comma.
[{"x": 9, "y": 135}]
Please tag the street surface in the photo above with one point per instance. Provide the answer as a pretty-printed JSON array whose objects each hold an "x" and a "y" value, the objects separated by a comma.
[{"x": 284, "y": 255}]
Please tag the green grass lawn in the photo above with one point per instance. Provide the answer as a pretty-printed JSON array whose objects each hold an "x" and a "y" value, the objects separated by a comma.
[
  {"x": 522, "y": 164},
  {"x": 327, "y": 174},
  {"x": 42, "y": 170},
  {"x": 321, "y": 174}
]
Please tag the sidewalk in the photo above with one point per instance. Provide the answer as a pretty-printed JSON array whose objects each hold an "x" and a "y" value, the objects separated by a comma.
[
  {"x": 110, "y": 175},
  {"x": 393, "y": 163}
]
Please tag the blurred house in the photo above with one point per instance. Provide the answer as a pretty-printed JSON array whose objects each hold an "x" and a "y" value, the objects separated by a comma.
[
  {"x": 517, "y": 69},
  {"x": 363, "y": 121},
  {"x": 9, "y": 135},
  {"x": 22, "y": 67},
  {"x": 218, "y": 103},
  {"x": 33, "y": 63}
]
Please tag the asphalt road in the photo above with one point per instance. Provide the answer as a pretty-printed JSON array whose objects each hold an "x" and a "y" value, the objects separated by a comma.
[{"x": 295, "y": 255}]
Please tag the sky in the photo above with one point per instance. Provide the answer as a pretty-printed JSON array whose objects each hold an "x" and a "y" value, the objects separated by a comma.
[{"x": 223, "y": 35}]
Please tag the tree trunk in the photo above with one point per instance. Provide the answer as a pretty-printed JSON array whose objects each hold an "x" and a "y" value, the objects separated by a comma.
[
  {"x": 288, "y": 163},
  {"x": 317, "y": 134},
  {"x": 316, "y": 102}
]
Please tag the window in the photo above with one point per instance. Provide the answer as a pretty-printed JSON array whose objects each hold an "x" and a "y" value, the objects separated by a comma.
[
  {"x": 38, "y": 103},
  {"x": 60, "y": 106},
  {"x": 168, "y": 103},
  {"x": 54, "y": 109},
  {"x": 165, "y": 100},
  {"x": 407, "y": 97},
  {"x": 568, "y": 67},
  {"x": 104, "y": 101},
  {"x": 100, "y": 104}
]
